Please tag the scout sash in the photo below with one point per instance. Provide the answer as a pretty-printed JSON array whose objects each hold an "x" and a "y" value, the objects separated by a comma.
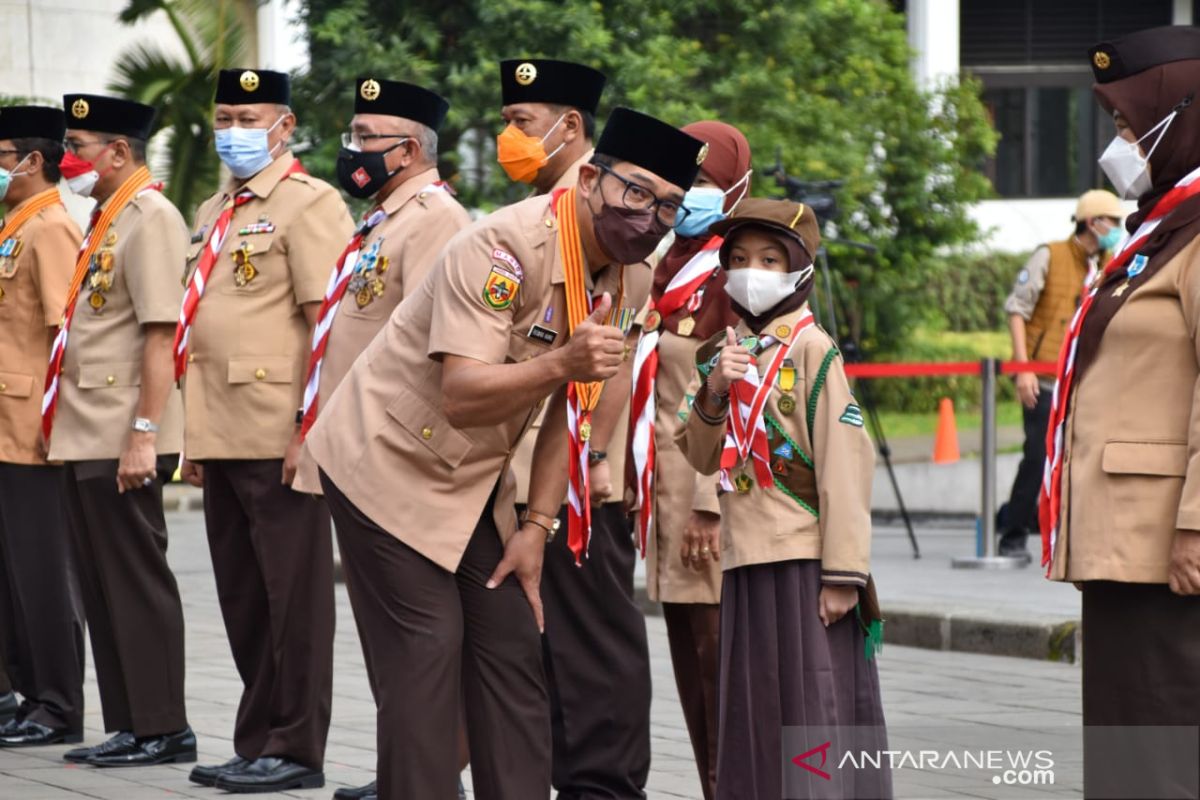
[
  {"x": 746, "y": 433},
  {"x": 343, "y": 271},
  {"x": 208, "y": 259},
  {"x": 102, "y": 220},
  {"x": 581, "y": 397},
  {"x": 33, "y": 205},
  {"x": 1050, "y": 500},
  {"x": 641, "y": 454}
]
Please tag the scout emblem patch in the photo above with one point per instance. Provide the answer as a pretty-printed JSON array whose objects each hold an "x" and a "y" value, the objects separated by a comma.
[
  {"x": 686, "y": 326},
  {"x": 785, "y": 450},
  {"x": 500, "y": 290},
  {"x": 852, "y": 416},
  {"x": 743, "y": 483},
  {"x": 1137, "y": 266},
  {"x": 244, "y": 270}
]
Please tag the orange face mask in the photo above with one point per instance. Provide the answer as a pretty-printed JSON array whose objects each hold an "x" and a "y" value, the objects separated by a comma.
[{"x": 521, "y": 155}]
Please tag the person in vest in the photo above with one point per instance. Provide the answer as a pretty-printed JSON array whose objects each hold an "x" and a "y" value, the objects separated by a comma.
[{"x": 1040, "y": 307}]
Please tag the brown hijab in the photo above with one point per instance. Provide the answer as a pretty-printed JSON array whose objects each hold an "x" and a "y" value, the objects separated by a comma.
[{"x": 727, "y": 161}]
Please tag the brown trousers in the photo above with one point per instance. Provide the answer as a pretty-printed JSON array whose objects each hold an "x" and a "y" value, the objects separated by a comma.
[
  {"x": 693, "y": 632},
  {"x": 272, "y": 556},
  {"x": 434, "y": 640},
  {"x": 134, "y": 615},
  {"x": 41, "y": 609},
  {"x": 597, "y": 664}
]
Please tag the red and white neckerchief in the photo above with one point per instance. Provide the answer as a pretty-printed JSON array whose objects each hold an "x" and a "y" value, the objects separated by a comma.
[
  {"x": 102, "y": 220},
  {"x": 746, "y": 432},
  {"x": 208, "y": 259},
  {"x": 684, "y": 289},
  {"x": 1050, "y": 500},
  {"x": 343, "y": 272}
]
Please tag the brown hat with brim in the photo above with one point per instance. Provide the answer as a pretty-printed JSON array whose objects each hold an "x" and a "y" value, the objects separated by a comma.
[{"x": 791, "y": 221}]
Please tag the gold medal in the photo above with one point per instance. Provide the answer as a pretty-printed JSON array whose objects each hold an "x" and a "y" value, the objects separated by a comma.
[
  {"x": 585, "y": 431},
  {"x": 363, "y": 297},
  {"x": 653, "y": 320},
  {"x": 96, "y": 301},
  {"x": 783, "y": 331},
  {"x": 787, "y": 405},
  {"x": 377, "y": 287},
  {"x": 110, "y": 239},
  {"x": 104, "y": 260},
  {"x": 686, "y": 326},
  {"x": 743, "y": 483}
]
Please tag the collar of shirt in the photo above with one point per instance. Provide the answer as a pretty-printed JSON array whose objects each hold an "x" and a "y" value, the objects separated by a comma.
[
  {"x": 408, "y": 190},
  {"x": 265, "y": 181}
]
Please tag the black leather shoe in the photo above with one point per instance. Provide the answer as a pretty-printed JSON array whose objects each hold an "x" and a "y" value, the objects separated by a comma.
[
  {"x": 170, "y": 748},
  {"x": 34, "y": 734},
  {"x": 81, "y": 754},
  {"x": 207, "y": 776},
  {"x": 8, "y": 707},
  {"x": 356, "y": 793},
  {"x": 271, "y": 774}
]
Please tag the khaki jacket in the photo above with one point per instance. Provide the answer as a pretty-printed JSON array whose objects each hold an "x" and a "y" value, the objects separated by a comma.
[
  {"x": 33, "y": 291},
  {"x": 419, "y": 223},
  {"x": 102, "y": 367},
  {"x": 764, "y": 526},
  {"x": 249, "y": 344},
  {"x": 383, "y": 437},
  {"x": 1132, "y": 441}
]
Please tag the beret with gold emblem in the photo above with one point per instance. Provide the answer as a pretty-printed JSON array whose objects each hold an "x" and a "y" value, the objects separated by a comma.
[
  {"x": 101, "y": 114},
  {"x": 1137, "y": 52},
  {"x": 32, "y": 122},
  {"x": 398, "y": 99},
  {"x": 243, "y": 87},
  {"x": 652, "y": 144},
  {"x": 544, "y": 80}
]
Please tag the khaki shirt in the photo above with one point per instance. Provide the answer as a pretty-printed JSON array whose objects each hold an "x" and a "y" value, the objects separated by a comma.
[
  {"x": 102, "y": 366},
  {"x": 33, "y": 291},
  {"x": 421, "y": 218},
  {"x": 249, "y": 344},
  {"x": 383, "y": 437},
  {"x": 767, "y": 525}
]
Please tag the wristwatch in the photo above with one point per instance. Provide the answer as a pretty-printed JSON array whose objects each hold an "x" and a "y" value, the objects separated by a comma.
[
  {"x": 143, "y": 425},
  {"x": 549, "y": 524},
  {"x": 596, "y": 456}
]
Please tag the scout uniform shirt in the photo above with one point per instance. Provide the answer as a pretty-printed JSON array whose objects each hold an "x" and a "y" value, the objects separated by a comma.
[
  {"x": 249, "y": 345},
  {"x": 822, "y": 511},
  {"x": 102, "y": 365},
  {"x": 496, "y": 294},
  {"x": 36, "y": 264},
  {"x": 398, "y": 253}
]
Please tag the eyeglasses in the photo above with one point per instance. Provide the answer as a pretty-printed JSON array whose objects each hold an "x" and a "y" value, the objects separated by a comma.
[
  {"x": 10, "y": 152},
  {"x": 73, "y": 146},
  {"x": 354, "y": 141},
  {"x": 638, "y": 198}
]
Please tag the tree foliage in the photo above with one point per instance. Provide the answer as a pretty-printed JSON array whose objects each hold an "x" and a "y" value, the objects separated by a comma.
[{"x": 826, "y": 83}]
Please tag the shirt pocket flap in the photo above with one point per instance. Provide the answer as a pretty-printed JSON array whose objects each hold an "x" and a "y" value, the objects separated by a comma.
[
  {"x": 263, "y": 369},
  {"x": 103, "y": 376},
  {"x": 422, "y": 421},
  {"x": 14, "y": 384},
  {"x": 1168, "y": 459}
]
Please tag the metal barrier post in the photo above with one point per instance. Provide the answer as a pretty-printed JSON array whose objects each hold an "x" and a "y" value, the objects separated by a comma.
[{"x": 987, "y": 468}]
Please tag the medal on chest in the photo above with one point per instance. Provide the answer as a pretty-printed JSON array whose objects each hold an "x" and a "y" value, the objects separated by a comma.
[
  {"x": 9, "y": 250},
  {"x": 100, "y": 274},
  {"x": 244, "y": 270},
  {"x": 369, "y": 276}
]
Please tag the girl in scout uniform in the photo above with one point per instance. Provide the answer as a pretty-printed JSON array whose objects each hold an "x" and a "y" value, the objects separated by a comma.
[{"x": 775, "y": 419}]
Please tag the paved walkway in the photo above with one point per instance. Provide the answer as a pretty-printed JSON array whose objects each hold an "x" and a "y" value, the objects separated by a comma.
[{"x": 921, "y": 687}]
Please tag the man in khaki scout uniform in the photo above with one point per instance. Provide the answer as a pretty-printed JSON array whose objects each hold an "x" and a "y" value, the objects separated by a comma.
[
  {"x": 594, "y": 627},
  {"x": 261, "y": 252},
  {"x": 389, "y": 155},
  {"x": 41, "y": 611},
  {"x": 112, "y": 413},
  {"x": 437, "y": 403}
]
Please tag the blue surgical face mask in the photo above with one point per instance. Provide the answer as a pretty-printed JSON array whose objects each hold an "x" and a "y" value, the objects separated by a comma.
[
  {"x": 706, "y": 206},
  {"x": 1110, "y": 240},
  {"x": 6, "y": 177},
  {"x": 245, "y": 150}
]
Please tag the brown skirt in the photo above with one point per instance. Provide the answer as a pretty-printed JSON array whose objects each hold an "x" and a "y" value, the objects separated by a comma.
[{"x": 780, "y": 666}]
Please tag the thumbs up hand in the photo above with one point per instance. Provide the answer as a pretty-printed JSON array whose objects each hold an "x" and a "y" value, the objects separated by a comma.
[
  {"x": 595, "y": 350},
  {"x": 732, "y": 365}
]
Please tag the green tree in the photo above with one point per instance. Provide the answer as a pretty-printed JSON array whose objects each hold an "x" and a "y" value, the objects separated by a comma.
[
  {"x": 211, "y": 36},
  {"x": 825, "y": 83}
]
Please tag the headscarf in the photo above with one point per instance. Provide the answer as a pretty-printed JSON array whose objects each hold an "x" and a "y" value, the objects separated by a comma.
[{"x": 727, "y": 161}]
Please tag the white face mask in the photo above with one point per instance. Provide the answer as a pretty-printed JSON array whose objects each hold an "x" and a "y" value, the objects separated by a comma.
[
  {"x": 760, "y": 290},
  {"x": 1124, "y": 164},
  {"x": 84, "y": 184}
]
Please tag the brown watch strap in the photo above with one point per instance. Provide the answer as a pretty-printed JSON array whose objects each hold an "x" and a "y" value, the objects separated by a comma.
[{"x": 542, "y": 521}]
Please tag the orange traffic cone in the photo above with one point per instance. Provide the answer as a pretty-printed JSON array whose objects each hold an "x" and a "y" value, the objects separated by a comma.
[{"x": 945, "y": 443}]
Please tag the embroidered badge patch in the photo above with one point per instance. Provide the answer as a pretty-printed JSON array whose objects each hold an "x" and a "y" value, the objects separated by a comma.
[
  {"x": 1137, "y": 266},
  {"x": 508, "y": 258},
  {"x": 852, "y": 416},
  {"x": 501, "y": 288}
]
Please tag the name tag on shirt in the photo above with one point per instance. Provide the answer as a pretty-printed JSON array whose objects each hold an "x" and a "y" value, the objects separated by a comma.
[{"x": 543, "y": 334}]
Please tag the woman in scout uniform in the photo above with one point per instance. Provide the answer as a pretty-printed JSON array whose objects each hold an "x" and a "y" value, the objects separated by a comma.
[
  {"x": 678, "y": 516},
  {"x": 799, "y": 621}
]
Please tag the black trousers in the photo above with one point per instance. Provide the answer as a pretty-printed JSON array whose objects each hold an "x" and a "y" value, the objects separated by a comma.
[
  {"x": 597, "y": 664},
  {"x": 41, "y": 607},
  {"x": 434, "y": 640},
  {"x": 134, "y": 615},
  {"x": 1023, "y": 502},
  {"x": 272, "y": 557}
]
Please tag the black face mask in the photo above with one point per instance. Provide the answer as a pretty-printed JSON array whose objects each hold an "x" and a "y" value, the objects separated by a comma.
[{"x": 363, "y": 174}]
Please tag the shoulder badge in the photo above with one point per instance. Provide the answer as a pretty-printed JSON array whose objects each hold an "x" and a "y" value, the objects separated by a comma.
[
  {"x": 852, "y": 416},
  {"x": 500, "y": 289}
]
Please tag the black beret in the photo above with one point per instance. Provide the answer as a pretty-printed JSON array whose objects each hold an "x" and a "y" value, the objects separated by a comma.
[
  {"x": 32, "y": 122},
  {"x": 1137, "y": 52},
  {"x": 398, "y": 99},
  {"x": 241, "y": 87},
  {"x": 544, "y": 80},
  {"x": 652, "y": 144},
  {"x": 94, "y": 112}
]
